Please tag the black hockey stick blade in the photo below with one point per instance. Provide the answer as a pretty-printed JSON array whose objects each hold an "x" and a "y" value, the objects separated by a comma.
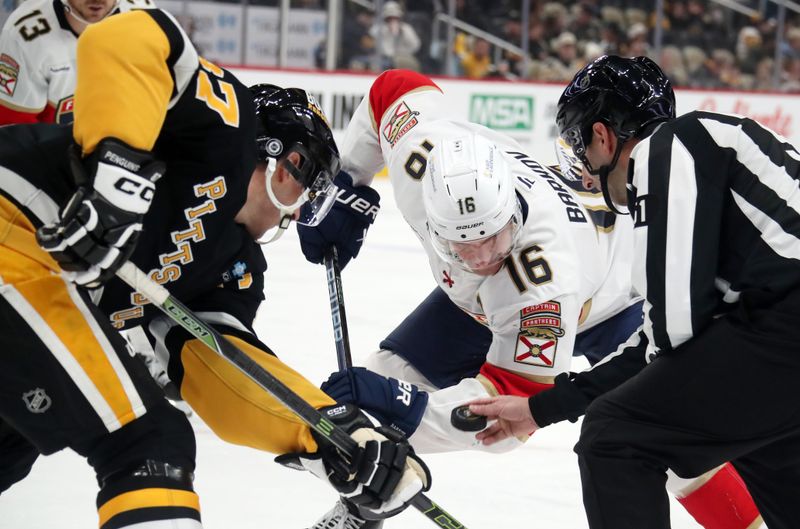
[{"x": 180, "y": 314}]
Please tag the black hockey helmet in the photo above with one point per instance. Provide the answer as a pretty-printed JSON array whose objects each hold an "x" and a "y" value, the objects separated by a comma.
[
  {"x": 290, "y": 120},
  {"x": 627, "y": 94}
]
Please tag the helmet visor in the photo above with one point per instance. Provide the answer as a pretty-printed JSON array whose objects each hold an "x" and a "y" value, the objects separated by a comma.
[
  {"x": 571, "y": 166},
  {"x": 319, "y": 196},
  {"x": 316, "y": 175},
  {"x": 571, "y": 153},
  {"x": 480, "y": 255}
]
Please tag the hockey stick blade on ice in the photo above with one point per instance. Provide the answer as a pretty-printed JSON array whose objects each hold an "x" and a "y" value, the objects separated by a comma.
[{"x": 174, "y": 309}]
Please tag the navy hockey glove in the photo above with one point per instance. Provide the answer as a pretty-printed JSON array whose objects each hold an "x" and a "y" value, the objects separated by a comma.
[
  {"x": 381, "y": 478},
  {"x": 395, "y": 403},
  {"x": 99, "y": 226},
  {"x": 346, "y": 224}
]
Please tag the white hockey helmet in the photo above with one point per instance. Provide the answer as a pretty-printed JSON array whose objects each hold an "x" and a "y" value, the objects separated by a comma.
[{"x": 471, "y": 205}]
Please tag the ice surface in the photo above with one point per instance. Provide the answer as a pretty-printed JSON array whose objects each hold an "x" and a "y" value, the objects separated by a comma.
[{"x": 534, "y": 487}]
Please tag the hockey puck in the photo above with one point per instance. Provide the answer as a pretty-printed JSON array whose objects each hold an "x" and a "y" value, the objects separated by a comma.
[{"x": 466, "y": 421}]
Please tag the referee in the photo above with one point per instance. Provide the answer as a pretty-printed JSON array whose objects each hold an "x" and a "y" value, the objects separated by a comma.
[{"x": 715, "y": 201}]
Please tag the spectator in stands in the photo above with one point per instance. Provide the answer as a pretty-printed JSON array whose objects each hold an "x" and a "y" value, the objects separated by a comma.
[
  {"x": 791, "y": 76},
  {"x": 474, "y": 56},
  {"x": 358, "y": 45},
  {"x": 612, "y": 39},
  {"x": 671, "y": 61},
  {"x": 537, "y": 44},
  {"x": 396, "y": 39},
  {"x": 678, "y": 19},
  {"x": 585, "y": 23},
  {"x": 748, "y": 49},
  {"x": 637, "y": 41},
  {"x": 554, "y": 17},
  {"x": 764, "y": 73},
  {"x": 791, "y": 46},
  {"x": 564, "y": 64},
  {"x": 694, "y": 59}
]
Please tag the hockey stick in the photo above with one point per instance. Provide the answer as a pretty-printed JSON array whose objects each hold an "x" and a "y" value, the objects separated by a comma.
[
  {"x": 338, "y": 316},
  {"x": 161, "y": 298}
]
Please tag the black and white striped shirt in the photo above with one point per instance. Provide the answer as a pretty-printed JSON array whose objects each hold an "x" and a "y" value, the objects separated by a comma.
[{"x": 715, "y": 201}]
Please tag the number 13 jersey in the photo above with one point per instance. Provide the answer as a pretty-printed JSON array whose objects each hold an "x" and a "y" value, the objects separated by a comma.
[{"x": 37, "y": 62}]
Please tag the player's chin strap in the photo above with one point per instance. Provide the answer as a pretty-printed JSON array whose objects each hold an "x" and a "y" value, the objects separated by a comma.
[
  {"x": 603, "y": 173},
  {"x": 286, "y": 212},
  {"x": 71, "y": 11}
]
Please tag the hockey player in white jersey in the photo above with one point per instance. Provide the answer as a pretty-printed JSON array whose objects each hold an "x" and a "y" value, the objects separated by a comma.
[
  {"x": 540, "y": 264},
  {"x": 507, "y": 242},
  {"x": 37, "y": 56}
]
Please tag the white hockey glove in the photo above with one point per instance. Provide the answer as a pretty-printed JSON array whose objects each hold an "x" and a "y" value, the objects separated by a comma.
[
  {"x": 383, "y": 476},
  {"x": 100, "y": 224}
]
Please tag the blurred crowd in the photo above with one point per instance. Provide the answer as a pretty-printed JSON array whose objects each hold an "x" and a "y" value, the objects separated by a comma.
[{"x": 704, "y": 44}]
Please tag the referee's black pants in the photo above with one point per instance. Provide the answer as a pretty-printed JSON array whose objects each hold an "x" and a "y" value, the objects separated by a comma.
[{"x": 731, "y": 393}]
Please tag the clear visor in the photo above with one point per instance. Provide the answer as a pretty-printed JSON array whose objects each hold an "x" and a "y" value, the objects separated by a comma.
[
  {"x": 571, "y": 165},
  {"x": 317, "y": 200},
  {"x": 576, "y": 162},
  {"x": 480, "y": 255}
]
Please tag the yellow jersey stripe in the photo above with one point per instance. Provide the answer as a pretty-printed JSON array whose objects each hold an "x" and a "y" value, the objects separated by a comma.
[{"x": 144, "y": 498}]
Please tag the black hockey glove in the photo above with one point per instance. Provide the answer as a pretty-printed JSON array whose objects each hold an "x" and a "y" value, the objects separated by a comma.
[
  {"x": 382, "y": 477},
  {"x": 99, "y": 226},
  {"x": 346, "y": 224}
]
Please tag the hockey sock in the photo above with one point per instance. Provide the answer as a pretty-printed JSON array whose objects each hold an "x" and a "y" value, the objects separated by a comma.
[{"x": 723, "y": 502}]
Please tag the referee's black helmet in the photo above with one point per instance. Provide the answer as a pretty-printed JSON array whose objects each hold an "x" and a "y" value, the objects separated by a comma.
[{"x": 627, "y": 94}]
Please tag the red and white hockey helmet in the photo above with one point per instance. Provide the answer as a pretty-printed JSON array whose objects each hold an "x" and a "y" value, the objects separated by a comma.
[{"x": 472, "y": 209}]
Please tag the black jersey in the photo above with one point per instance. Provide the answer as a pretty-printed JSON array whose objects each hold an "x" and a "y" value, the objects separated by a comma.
[
  {"x": 715, "y": 201},
  {"x": 190, "y": 242}
]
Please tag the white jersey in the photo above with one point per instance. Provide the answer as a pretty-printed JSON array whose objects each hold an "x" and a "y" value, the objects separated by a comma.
[
  {"x": 566, "y": 272},
  {"x": 37, "y": 62}
]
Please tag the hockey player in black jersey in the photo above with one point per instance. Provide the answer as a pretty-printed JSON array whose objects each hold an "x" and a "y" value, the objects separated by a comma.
[
  {"x": 169, "y": 164},
  {"x": 711, "y": 375}
]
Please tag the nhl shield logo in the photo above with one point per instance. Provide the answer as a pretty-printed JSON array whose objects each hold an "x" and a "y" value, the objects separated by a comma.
[{"x": 37, "y": 401}]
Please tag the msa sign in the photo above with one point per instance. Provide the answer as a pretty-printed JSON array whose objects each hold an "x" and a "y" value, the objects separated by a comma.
[{"x": 502, "y": 112}]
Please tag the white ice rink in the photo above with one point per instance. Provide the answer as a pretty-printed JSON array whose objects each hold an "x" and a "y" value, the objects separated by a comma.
[{"x": 535, "y": 487}]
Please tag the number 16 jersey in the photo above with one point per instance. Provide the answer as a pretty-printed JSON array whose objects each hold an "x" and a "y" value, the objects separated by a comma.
[{"x": 570, "y": 267}]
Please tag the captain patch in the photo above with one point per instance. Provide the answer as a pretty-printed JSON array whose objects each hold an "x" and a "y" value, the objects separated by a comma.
[
  {"x": 539, "y": 331},
  {"x": 9, "y": 73},
  {"x": 402, "y": 120}
]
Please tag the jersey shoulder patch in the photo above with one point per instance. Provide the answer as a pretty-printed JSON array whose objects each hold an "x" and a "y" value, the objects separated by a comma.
[
  {"x": 9, "y": 73},
  {"x": 391, "y": 86}
]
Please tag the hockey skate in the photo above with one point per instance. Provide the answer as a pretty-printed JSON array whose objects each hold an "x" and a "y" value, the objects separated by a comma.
[{"x": 345, "y": 516}]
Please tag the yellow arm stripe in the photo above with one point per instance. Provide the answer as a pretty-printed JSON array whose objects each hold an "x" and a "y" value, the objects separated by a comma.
[
  {"x": 237, "y": 409},
  {"x": 144, "y": 498},
  {"x": 124, "y": 82}
]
